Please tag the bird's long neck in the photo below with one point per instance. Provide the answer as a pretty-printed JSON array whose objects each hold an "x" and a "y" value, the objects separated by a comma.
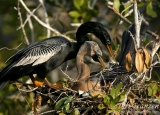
[
  {"x": 91, "y": 27},
  {"x": 82, "y": 68}
]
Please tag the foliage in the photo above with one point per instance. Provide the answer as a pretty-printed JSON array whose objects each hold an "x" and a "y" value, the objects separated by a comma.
[
  {"x": 112, "y": 99},
  {"x": 60, "y": 14}
]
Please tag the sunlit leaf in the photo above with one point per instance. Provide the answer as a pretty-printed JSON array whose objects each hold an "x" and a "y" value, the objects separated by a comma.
[
  {"x": 69, "y": 99},
  {"x": 67, "y": 106},
  {"x": 101, "y": 106},
  {"x": 78, "y": 4},
  {"x": 74, "y": 14},
  {"x": 152, "y": 89},
  {"x": 106, "y": 100},
  {"x": 150, "y": 11},
  {"x": 60, "y": 103},
  {"x": 118, "y": 88},
  {"x": 112, "y": 93},
  {"x": 122, "y": 96},
  {"x": 75, "y": 112},
  {"x": 61, "y": 114},
  {"x": 116, "y": 4},
  {"x": 126, "y": 5}
]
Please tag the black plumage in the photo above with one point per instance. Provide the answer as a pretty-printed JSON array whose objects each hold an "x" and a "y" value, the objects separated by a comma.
[{"x": 44, "y": 56}]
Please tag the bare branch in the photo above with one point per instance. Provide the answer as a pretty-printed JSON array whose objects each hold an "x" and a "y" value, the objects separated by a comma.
[
  {"x": 137, "y": 24},
  {"x": 16, "y": 48},
  {"x": 67, "y": 76},
  {"x": 31, "y": 90},
  {"x": 21, "y": 21},
  {"x": 46, "y": 17},
  {"x": 129, "y": 22},
  {"x": 42, "y": 23},
  {"x": 31, "y": 28},
  {"x": 29, "y": 16}
]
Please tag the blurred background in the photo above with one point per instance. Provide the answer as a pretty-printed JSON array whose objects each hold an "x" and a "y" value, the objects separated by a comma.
[{"x": 65, "y": 16}]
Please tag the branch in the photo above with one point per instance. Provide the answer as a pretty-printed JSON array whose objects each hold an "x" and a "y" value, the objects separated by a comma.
[
  {"x": 137, "y": 21},
  {"x": 31, "y": 28},
  {"x": 21, "y": 21},
  {"x": 16, "y": 48},
  {"x": 46, "y": 18},
  {"x": 29, "y": 16},
  {"x": 129, "y": 22},
  {"x": 42, "y": 23}
]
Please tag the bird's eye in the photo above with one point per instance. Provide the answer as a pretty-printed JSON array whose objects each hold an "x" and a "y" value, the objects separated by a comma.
[{"x": 108, "y": 41}]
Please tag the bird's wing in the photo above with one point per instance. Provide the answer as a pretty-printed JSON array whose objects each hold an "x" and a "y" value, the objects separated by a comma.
[{"x": 37, "y": 55}]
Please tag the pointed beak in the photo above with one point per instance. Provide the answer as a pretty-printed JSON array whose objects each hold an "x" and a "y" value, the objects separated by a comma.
[
  {"x": 101, "y": 62},
  {"x": 110, "y": 50}
]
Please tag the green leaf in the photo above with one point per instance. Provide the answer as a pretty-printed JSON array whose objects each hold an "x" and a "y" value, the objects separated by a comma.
[
  {"x": 109, "y": 111},
  {"x": 67, "y": 106},
  {"x": 122, "y": 96},
  {"x": 78, "y": 4},
  {"x": 106, "y": 100},
  {"x": 116, "y": 100},
  {"x": 74, "y": 14},
  {"x": 70, "y": 98},
  {"x": 75, "y": 112},
  {"x": 60, "y": 103},
  {"x": 152, "y": 89},
  {"x": 150, "y": 10},
  {"x": 112, "y": 93},
  {"x": 149, "y": 91},
  {"x": 116, "y": 5},
  {"x": 118, "y": 88},
  {"x": 126, "y": 5},
  {"x": 101, "y": 106},
  {"x": 116, "y": 108},
  {"x": 61, "y": 114},
  {"x": 112, "y": 104}
]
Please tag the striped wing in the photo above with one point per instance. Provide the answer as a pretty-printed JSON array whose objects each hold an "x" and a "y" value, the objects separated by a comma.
[{"x": 38, "y": 55}]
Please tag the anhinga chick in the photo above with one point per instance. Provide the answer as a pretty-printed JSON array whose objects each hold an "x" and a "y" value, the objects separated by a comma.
[{"x": 84, "y": 83}]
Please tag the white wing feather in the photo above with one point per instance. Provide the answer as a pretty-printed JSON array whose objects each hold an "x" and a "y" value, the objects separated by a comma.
[{"x": 40, "y": 57}]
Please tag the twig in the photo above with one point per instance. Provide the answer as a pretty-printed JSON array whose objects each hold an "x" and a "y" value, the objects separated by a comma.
[
  {"x": 155, "y": 48},
  {"x": 21, "y": 21},
  {"x": 91, "y": 6},
  {"x": 31, "y": 90},
  {"x": 47, "y": 112},
  {"x": 67, "y": 76},
  {"x": 88, "y": 109},
  {"x": 23, "y": 97},
  {"x": 103, "y": 78},
  {"x": 46, "y": 17},
  {"x": 42, "y": 23},
  {"x": 29, "y": 17},
  {"x": 137, "y": 22},
  {"x": 129, "y": 22},
  {"x": 133, "y": 39},
  {"x": 16, "y": 48},
  {"x": 31, "y": 28}
]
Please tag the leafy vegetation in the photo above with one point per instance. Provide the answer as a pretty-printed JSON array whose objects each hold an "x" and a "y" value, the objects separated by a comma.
[{"x": 62, "y": 14}]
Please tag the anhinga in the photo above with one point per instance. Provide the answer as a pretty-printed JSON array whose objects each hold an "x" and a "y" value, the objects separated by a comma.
[
  {"x": 44, "y": 56},
  {"x": 84, "y": 81}
]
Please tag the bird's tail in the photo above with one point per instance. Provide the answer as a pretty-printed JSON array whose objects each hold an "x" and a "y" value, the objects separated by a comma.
[{"x": 3, "y": 84}]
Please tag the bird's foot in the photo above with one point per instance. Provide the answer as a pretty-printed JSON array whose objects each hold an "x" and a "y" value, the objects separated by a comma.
[
  {"x": 35, "y": 82},
  {"x": 56, "y": 85},
  {"x": 38, "y": 83}
]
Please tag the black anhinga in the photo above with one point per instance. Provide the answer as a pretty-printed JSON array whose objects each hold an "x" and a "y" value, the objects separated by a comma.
[{"x": 44, "y": 56}]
